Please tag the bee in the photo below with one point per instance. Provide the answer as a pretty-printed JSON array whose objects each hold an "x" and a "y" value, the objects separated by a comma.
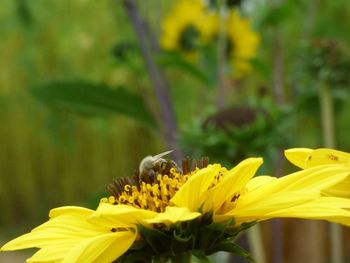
[{"x": 150, "y": 166}]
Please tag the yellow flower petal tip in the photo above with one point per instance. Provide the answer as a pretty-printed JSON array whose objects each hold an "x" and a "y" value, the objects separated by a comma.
[
  {"x": 69, "y": 237},
  {"x": 298, "y": 156},
  {"x": 306, "y": 158}
]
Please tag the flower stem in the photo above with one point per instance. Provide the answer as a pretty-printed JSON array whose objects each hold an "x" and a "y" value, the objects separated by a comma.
[
  {"x": 222, "y": 53},
  {"x": 157, "y": 77},
  {"x": 182, "y": 258}
]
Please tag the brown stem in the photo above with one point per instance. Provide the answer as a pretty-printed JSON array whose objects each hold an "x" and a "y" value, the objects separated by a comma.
[{"x": 159, "y": 83}]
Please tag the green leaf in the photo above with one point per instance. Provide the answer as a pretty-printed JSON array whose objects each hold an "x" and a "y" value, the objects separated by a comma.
[
  {"x": 234, "y": 249},
  {"x": 176, "y": 60},
  {"x": 93, "y": 99}
]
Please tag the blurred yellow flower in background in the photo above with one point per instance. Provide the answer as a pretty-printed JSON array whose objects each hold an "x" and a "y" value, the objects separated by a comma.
[
  {"x": 242, "y": 43},
  {"x": 187, "y": 27},
  {"x": 192, "y": 24}
]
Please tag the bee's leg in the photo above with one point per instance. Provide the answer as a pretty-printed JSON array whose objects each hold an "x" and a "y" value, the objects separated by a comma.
[{"x": 152, "y": 176}]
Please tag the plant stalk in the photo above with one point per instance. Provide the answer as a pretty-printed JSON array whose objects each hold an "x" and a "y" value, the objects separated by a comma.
[
  {"x": 222, "y": 57},
  {"x": 159, "y": 83},
  {"x": 327, "y": 118}
]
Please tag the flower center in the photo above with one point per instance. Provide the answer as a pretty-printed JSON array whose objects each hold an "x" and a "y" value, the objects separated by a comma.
[
  {"x": 189, "y": 38},
  {"x": 153, "y": 189}
]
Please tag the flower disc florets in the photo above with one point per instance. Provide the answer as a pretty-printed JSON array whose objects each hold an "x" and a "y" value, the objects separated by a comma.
[{"x": 152, "y": 189}]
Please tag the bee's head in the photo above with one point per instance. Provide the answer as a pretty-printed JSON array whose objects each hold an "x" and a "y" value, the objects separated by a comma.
[{"x": 149, "y": 162}]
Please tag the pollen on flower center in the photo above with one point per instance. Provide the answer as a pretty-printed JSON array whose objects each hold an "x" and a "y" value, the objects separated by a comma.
[{"x": 152, "y": 190}]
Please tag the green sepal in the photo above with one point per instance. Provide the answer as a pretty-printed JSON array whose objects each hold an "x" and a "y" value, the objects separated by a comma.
[
  {"x": 181, "y": 235},
  {"x": 207, "y": 218},
  {"x": 201, "y": 256},
  {"x": 209, "y": 235},
  {"x": 183, "y": 238},
  {"x": 138, "y": 245},
  {"x": 158, "y": 241},
  {"x": 236, "y": 230},
  {"x": 233, "y": 248}
]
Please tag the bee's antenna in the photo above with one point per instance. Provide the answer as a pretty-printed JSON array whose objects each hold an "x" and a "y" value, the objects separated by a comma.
[{"x": 158, "y": 156}]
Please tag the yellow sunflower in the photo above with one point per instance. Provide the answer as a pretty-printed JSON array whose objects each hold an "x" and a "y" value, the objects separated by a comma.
[
  {"x": 242, "y": 43},
  {"x": 187, "y": 27},
  {"x": 166, "y": 212}
]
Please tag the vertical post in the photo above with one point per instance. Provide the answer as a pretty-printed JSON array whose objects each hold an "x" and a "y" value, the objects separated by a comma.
[
  {"x": 222, "y": 56},
  {"x": 256, "y": 244},
  {"x": 327, "y": 118},
  {"x": 278, "y": 91}
]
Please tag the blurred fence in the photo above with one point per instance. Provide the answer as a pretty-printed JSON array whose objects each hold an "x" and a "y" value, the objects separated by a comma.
[
  {"x": 42, "y": 168},
  {"x": 47, "y": 159}
]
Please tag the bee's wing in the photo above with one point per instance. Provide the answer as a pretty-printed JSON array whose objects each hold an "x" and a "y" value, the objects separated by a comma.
[{"x": 158, "y": 156}]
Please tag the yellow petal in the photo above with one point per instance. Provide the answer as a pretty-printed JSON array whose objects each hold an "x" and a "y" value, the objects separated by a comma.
[
  {"x": 306, "y": 158},
  {"x": 172, "y": 215},
  {"x": 69, "y": 210},
  {"x": 293, "y": 205},
  {"x": 314, "y": 179},
  {"x": 232, "y": 182},
  {"x": 39, "y": 240},
  {"x": 51, "y": 254},
  {"x": 327, "y": 156},
  {"x": 341, "y": 189},
  {"x": 62, "y": 228},
  {"x": 104, "y": 248},
  {"x": 298, "y": 156},
  {"x": 120, "y": 215},
  {"x": 190, "y": 194},
  {"x": 318, "y": 177},
  {"x": 251, "y": 211},
  {"x": 70, "y": 237},
  {"x": 332, "y": 209},
  {"x": 259, "y": 181}
]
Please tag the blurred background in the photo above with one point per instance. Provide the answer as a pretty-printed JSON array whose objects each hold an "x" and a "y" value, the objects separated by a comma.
[{"x": 89, "y": 88}]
